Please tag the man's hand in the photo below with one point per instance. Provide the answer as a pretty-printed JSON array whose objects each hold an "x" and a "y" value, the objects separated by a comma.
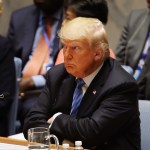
[{"x": 50, "y": 120}]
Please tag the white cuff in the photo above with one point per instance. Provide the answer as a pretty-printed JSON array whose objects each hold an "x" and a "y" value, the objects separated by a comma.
[{"x": 54, "y": 116}]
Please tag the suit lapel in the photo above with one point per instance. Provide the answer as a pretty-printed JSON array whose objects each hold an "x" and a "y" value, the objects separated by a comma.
[
  {"x": 65, "y": 94},
  {"x": 29, "y": 33},
  {"x": 91, "y": 97}
]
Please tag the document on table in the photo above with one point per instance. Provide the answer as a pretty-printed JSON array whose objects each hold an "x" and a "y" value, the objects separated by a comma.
[
  {"x": 4, "y": 146},
  {"x": 18, "y": 136}
]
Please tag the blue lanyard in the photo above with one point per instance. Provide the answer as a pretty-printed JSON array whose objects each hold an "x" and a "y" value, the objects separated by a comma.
[
  {"x": 50, "y": 42},
  {"x": 142, "y": 59}
]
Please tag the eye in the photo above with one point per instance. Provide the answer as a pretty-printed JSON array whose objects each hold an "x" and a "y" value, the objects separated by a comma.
[{"x": 75, "y": 48}]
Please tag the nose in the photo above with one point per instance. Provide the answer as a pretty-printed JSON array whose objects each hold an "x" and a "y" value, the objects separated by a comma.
[{"x": 67, "y": 53}]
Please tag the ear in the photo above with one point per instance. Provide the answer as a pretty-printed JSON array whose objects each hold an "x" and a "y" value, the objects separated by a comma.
[{"x": 98, "y": 54}]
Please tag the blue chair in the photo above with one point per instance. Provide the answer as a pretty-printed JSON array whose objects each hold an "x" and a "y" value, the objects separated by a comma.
[
  {"x": 12, "y": 115},
  {"x": 144, "y": 107}
]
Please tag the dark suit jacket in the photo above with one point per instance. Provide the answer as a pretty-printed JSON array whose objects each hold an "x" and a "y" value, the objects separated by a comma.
[
  {"x": 133, "y": 37},
  {"x": 22, "y": 29},
  {"x": 7, "y": 82},
  {"x": 107, "y": 119}
]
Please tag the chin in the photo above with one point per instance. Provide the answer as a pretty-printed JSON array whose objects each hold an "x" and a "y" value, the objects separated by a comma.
[{"x": 69, "y": 69}]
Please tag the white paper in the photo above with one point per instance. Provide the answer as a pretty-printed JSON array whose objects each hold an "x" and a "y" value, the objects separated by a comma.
[
  {"x": 19, "y": 136},
  {"x": 4, "y": 146}
]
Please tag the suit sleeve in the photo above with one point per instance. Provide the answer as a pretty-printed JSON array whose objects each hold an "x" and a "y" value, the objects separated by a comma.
[
  {"x": 7, "y": 76},
  {"x": 115, "y": 112},
  {"x": 43, "y": 108}
]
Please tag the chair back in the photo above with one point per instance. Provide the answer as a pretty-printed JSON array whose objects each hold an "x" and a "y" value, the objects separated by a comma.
[
  {"x": 144, "y": 107},
  {"x": 12, "y": 115}
]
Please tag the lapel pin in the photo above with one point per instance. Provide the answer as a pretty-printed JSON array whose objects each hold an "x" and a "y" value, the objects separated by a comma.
[{"x": 94, "y": 92}]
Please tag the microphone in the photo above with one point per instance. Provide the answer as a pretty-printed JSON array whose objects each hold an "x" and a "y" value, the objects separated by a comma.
[{"x": 4, "y": 96}]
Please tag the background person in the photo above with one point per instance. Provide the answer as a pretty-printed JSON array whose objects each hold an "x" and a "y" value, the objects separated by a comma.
[
  {"x": 33, "y": 30},
  {"x": 7, "y": 83},
  {"x": 134, "y": 44},
  {"x": 107, "y": 115}
]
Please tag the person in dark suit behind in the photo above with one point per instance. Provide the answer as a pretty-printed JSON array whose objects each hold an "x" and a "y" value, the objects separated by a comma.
[
  {"x": 134, "y": 43},
  {"x": 7, "y": 83},
  {"x": 27, "y": 27},
  {"x": 107, "y": 117}
]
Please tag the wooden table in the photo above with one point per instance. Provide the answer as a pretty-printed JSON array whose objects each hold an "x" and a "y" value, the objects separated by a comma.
[
  {"x": 19, "y": 142},
  {"x": 13, "y": 141}
]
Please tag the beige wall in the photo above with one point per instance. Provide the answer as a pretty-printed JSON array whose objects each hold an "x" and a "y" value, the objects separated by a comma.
[
  {"x": 9, "y": 6},
  {"x": 118, "y": 11}
]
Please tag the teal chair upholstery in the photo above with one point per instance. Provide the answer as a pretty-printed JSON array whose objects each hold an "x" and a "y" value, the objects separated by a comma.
[{"x": 144, "y": 107}]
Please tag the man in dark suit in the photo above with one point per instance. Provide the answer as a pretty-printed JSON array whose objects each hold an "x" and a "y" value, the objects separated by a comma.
[
  {"x": 107, "y": 116},
  {"x": 27, "y": 26},
  {"x": 7, "y": 83},
  {"x": 132, "y": 49}
]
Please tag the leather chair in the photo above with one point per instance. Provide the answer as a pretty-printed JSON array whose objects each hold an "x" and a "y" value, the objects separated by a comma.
[{"x": 12, "y": 115}]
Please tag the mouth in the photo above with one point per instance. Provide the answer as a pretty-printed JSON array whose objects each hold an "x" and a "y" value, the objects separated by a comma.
[{"x": 68, "y": 65}]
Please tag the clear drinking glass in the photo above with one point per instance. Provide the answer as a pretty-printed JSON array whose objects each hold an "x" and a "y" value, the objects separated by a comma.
[{"x": 39, "y": 139}]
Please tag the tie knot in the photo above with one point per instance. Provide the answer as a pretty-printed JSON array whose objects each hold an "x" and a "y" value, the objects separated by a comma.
[{"x": 80, "y": 82}]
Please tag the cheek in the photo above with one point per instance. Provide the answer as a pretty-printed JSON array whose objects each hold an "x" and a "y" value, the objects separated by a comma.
[
  {"x": 87, "y": 58},
  {"x": 84, "y": 62}
]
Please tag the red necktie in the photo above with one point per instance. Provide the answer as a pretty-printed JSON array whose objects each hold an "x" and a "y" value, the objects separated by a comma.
[{"x": 36, "y": 65}]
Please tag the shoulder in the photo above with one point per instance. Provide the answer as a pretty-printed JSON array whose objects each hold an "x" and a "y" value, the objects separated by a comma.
[
  {"x": 118, "y": 76},
  {"x": 25, "y": 11},
  {"x": 136, "y": 14},
  {"x": 57, "y": 72},
  {"x": 56, "y": 76},
  {"x": 139, "y": 11},
  {"x": 5, "y": 47},
  {"x": 117, "y": 82},
  {"x": 2, "y": 41}
]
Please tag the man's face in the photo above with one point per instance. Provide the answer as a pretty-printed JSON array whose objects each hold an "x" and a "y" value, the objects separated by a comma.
[
  {"x": 79, "y": 58},
  {"x": 49, "y": 7}
]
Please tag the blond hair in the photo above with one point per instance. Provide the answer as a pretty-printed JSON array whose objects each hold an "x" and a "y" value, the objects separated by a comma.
[{"x": 90, "y": 29}]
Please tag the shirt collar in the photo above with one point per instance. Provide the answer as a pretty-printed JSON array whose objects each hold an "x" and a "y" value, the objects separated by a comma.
[{"x": 90, "y": 77}]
